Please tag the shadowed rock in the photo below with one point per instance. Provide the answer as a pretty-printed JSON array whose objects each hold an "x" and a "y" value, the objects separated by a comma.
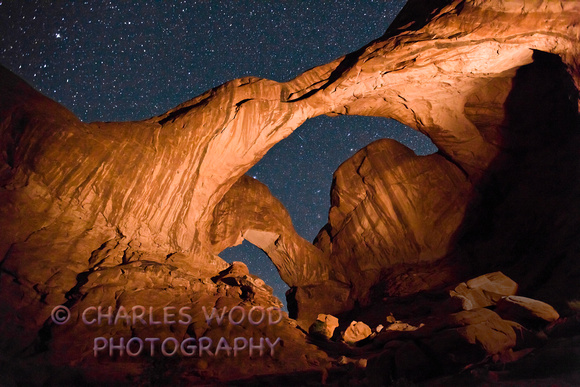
[{"x": 135, "y": 213}]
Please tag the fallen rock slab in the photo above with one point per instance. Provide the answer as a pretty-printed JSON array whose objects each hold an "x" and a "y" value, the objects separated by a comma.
[
  {"x": 484, "y": 290},
  {"x": 526, "y": 311}
]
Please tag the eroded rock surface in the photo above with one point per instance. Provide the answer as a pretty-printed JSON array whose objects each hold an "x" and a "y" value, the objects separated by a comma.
[
  {"x": 390, "y": 207},
  {"x": 356, "y": 331},
  {"x": 324, "y": 326},
  {"x": 249, "y": 211},
  {"x": 118, "y": 214},
  {"x": 484, "y": 290},
  {"x": 502, "y": 189},
  {"x": 526, "y": 310}
]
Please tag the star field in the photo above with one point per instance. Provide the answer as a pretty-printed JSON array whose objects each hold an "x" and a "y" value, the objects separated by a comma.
[{"x": 120, "y": 61}]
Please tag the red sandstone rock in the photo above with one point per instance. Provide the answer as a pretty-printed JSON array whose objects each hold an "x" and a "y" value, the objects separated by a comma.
[
  {"x": 391, "y": 207},
  {"x": 444, "y": 344},
  {"x": 492, "y": 83},
  {"x": 469, "y": 336},
  {"x": 324, "y": 326},
  {"x": 249, "y": 211},
  {"x": 484, "y": 290},
  {"x": 526, "y": 310},
  {"x": 356, "y": 331}
]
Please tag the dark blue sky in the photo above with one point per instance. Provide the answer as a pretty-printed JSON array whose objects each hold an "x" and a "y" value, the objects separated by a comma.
[{"x": 121, "y": 60}]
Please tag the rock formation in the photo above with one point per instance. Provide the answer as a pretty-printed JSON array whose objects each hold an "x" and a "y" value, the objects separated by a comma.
[
  {"x": 501, "y": 104},
  {"x": 249, "y": 211},
  {"x": 391, "y": 207},
  {"x": 483, "y": 291},
  {"x": 526, "y": 310},
  {"x": 324, "y": 326},
  {"x": 128, "y": 214},
  {"x": 356, "y": 331}
]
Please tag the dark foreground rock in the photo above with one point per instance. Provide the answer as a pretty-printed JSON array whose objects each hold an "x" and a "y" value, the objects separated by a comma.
[{"x": 132, "y": 216}]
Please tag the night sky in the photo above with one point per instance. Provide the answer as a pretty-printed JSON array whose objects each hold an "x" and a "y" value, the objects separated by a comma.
[{"x": 121, "y": 61}]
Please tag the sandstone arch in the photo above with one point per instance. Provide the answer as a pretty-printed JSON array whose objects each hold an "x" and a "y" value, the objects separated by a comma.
[{"x": 91, "y": 211}]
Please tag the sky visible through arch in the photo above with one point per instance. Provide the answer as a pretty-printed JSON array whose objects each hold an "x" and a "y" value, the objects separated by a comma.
[
  {"x": 298, "y": 171},
  {"x": 130, "y": 60}
]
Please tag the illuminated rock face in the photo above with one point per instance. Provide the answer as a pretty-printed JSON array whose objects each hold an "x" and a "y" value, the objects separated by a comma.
[
  {"x": 249, "y": 211},
  {"x": 136, "y": 212},
  {"x": 390, "y": 207}
]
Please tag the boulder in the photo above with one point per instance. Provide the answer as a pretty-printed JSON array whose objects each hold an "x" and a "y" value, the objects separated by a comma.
[
  {"x": 484, "y": 290},
  {"x": 324, "y": 326},
  {"x": 402, "y": 326},
  {"x": 356, "y": 331},
  {"x": 444, "y": 344},
  {"x": 467, "y": 337},
  {"x": 526, "y": 311}
]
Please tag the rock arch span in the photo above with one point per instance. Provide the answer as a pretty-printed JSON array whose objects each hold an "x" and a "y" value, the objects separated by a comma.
[{"x": 93, "y": 211}]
